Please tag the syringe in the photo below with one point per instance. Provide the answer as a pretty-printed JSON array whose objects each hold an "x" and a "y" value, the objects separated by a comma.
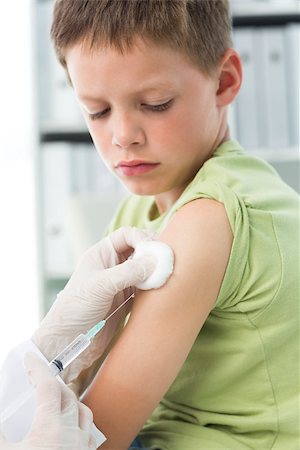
[
  {"x": 79, "y": 344},
  {"x": 60, "y": 362}
]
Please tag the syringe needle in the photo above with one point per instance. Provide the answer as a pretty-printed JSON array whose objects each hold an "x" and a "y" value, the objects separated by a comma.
[
  {"x": 120, "y": 306},
  {"x": 95, "y": 330}
]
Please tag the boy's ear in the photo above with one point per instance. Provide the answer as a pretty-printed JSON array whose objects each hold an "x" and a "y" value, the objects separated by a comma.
[{"x": 230, "y": 77}]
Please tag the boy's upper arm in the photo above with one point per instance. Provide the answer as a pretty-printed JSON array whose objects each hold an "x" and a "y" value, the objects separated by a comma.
[{"x": 163, "y": 325}]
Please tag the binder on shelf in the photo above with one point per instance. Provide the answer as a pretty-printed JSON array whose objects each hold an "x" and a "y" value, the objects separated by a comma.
[
  {"x": 103, "y": 181},
  {"x": 80, "y": 196},
  {"x": 272, "y": 87},
  {"x": 292, "y": 53},
  {"x": 89, "y": 173},
  {"x": 56, "y": 190},
  {"x": 289, "y": 172},
  {"x": 87, "y": 218},
  {"x": 81, "y": 176},
  {"x": 246, "y": 104},
  {"x": 64, "y": 106},
  {"x": 232, "y": 121},
  {"x": 43, "y": 14},
  {"x": 57, "y": 101},
  {"x": 260, "y": 94},
  {"x": 264, "y": 7}
]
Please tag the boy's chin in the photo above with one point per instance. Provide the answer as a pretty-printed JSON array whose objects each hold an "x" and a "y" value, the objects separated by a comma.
[{"x": 140, "y": 189}]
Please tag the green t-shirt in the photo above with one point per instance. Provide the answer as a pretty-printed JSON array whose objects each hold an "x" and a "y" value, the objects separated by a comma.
[{"x": 239, "y": 387}]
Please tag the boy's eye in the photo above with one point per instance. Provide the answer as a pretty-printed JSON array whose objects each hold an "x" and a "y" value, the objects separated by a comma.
[
  {"x": 161, "y": 107},
  {"x": 99, "y": 114},
  {"x": 155, "y": 108}
]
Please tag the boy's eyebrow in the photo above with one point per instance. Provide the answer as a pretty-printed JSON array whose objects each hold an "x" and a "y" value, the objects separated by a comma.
[
  {"x": 143, "y": 89},
  {"x": 155, "y": 87}
]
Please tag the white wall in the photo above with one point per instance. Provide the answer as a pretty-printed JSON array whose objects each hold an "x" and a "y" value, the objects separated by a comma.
[{"x": 18, "y": 261}]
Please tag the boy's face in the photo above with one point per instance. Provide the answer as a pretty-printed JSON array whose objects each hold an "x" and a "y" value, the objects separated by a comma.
[{"x": 151, "y": 112}]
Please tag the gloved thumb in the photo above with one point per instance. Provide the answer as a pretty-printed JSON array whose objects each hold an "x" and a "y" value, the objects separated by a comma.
[
  {"x": 48, "y": 390},
  {"x": 35, "y": 367},
  {"x": 129, "y": 273}
]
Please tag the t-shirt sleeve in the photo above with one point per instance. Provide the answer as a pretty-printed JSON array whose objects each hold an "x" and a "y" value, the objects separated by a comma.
[{"x": 230, "y": 293}]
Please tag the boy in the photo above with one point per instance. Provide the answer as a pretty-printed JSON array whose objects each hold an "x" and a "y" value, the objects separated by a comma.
[{"x": 209, "y": 361}]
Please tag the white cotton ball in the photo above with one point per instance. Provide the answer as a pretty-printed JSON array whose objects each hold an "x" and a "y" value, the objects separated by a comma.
[{"x": 165, "y": 262}]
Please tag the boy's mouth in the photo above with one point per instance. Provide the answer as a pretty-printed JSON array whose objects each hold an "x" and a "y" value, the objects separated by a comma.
[{"x": 135, "y": 167}]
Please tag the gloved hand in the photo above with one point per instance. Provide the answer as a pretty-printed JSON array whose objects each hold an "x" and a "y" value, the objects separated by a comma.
[
  {"x": 97, "y": 287},
  {"x": 61, "y": 422}
]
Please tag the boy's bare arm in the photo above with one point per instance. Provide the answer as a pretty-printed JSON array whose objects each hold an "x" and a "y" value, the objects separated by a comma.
[{"x": 163, "y": 325}]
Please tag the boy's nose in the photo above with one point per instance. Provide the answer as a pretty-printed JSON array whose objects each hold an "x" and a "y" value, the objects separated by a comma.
[{"x": 126, "y": 133}]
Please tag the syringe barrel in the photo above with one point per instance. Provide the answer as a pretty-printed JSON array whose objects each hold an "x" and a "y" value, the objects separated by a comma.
[{"x": 63, "y": 359}]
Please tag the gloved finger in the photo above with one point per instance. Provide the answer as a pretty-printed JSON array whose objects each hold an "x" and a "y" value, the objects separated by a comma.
[
  {"x": 92, "y": 443},
  {"x": 48, "y": 388},
  {"x": 69, "y": 406},
  {"x": 85, "y": 417},
  {"x": 127, "y": 237},
  {"x": 129, "y": 273}
]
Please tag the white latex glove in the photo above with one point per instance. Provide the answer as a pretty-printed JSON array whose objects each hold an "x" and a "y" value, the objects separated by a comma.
[
  {"x": 61, "y": 422},
  {"x": 94, "y": 290}
]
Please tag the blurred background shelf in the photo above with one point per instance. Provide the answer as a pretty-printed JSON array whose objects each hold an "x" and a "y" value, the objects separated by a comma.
[
  {"x": 65, "y": 135},
  {"x": 267, "y": 9},
  {"x": 265, "y": 20}
]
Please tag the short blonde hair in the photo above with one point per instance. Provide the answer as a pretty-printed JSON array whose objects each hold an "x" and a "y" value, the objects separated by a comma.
[{"x": 199, "y": 28}]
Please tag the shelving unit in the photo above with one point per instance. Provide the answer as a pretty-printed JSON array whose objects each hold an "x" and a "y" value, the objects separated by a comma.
[
  {"x": 267, "y": 16},
  {"x": 64, "y": 133}
]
